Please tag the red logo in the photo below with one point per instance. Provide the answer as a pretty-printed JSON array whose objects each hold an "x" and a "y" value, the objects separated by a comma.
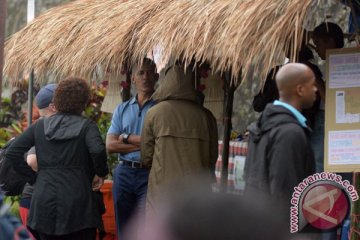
[{"x": 325, "y": 206}]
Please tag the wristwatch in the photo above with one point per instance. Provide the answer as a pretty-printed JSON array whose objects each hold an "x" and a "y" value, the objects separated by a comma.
[{"x": 126, "y": 138}]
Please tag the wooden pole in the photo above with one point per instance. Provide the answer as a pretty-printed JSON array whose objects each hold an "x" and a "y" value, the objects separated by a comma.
[
  {"x": 229, "y": 90},
  {"x": 30, "y": 98},
  {"x": 3, "y": 7}
]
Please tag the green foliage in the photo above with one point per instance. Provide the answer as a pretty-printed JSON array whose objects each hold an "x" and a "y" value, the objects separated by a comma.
[
  {"x": 4, "y": 136},
  {"x": 11, "y": 116},
  {"x": 13, "y": 202}
]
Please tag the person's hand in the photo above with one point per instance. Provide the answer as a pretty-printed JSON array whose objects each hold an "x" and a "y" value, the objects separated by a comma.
[
  {"x": 32, "y": 162},
  {"x": 97, "y": 183},
  {"x": 121, "y": 139}
]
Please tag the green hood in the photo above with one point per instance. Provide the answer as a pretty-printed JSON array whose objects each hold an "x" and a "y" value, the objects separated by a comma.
[{"x": 176, "y": 85}]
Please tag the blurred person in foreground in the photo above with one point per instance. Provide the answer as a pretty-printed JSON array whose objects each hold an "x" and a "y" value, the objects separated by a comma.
[
  {"x": 194, "y": 212},
  {"x": 72, "y": 165}
]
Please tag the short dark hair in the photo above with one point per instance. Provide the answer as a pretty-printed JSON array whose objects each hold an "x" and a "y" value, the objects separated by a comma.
[
  {"x": 330, "y": 30},
  {"x": 72, "y": 95},
  {"x": 305, "y": 54},
  {"x": 144, "y": 61}
]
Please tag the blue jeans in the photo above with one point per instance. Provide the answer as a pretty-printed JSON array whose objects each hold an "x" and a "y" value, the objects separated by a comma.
[{"x": 129, "y": 193}]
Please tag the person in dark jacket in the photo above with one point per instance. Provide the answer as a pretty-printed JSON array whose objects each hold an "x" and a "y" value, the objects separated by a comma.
[
  {"x": 72, "y": 165},
  {"x": 44, "y": 101},
  {"x": 270, "y": 92},
  {"x": 280, "y": 155}
]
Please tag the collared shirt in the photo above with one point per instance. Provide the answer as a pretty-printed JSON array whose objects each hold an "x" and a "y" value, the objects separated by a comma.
[
  {"x": 301, "y": 119},
  {"x": 128, "y": 118}
]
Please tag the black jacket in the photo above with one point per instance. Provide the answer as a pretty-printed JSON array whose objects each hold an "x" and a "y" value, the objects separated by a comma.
[
  {"x": 70, "y": 152},
  {"x": 279, "y": 157},
  {"x": 270, "y": 93}
]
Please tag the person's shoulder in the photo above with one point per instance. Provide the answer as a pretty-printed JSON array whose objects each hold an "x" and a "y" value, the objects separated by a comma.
[
  {"x": 161, "y": 109},
  {"x": 161, "y": 104},
  {"x": 127, "y": 102},
  {"x": 291, "y": 127},
  {"x": 155, "y": 107},
  {"x": 208, "y": 112},
  {"x": 289, "y": 132},
  {"x": 120, "y": 107}
]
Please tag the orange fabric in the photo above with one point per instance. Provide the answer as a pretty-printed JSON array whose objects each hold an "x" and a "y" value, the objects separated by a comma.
[
  {"x": 23, "y": 215},
  {"x": 109, "y": 216}
]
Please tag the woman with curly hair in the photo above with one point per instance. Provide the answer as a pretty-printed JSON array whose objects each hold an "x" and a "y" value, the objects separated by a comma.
[{"x": 71, "y": 159}]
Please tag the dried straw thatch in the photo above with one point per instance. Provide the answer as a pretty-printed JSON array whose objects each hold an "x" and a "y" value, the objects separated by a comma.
[
  {"x": 229, "y": 34},
  {"x": 73, "y": 39}
]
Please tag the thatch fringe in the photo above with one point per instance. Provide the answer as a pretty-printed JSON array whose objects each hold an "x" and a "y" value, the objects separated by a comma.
[
  {"x": 229, "y": 34},
  {"x": 76, "y": 38}
]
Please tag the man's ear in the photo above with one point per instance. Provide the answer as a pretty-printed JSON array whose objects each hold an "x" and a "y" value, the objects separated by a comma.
[
  {"x": 52, "y": 107},
  {"x": 300, "y": 90}
]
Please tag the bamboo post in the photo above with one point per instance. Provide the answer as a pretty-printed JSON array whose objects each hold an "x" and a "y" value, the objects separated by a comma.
[
  {"x": 2, "y": 39},
  {"x": 30, "y": 98},
  {"x": 229, "y": 90}
]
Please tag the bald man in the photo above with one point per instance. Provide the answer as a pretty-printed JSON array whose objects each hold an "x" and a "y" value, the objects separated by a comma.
[{"x": 280, "y": 155}]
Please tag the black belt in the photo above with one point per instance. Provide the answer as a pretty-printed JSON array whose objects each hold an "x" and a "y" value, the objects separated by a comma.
[{"x": 131, "y": 164}]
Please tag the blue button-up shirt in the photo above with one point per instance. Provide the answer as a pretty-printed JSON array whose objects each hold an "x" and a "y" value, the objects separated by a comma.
[
  {"x": 301, "y": 119},
  {"x": 128, "y": 118}
]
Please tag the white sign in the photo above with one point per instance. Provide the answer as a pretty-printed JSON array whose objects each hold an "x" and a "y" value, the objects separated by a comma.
[
  {"x": 342, "y": 116},
  {"x": 344, "y": 71},
  {"x": 344, "y": 147}
]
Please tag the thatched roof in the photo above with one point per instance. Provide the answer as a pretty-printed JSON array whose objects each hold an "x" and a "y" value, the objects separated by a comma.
[
  {"x": 75, "y": 38},
  {"x": 229, "y": 34}
]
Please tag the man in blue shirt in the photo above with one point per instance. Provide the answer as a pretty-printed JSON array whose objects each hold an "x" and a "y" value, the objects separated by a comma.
[
  {"x": 123, "y": 137},
  {"x": 279, "y": 153}
]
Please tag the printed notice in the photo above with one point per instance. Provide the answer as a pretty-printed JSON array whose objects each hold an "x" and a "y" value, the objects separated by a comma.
[
  {"x": 344, "y": 71},
  {"x": 340, "y": 107},
  {"x": 344, "y": 147},
  {"x": 347, "y": 107}
]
